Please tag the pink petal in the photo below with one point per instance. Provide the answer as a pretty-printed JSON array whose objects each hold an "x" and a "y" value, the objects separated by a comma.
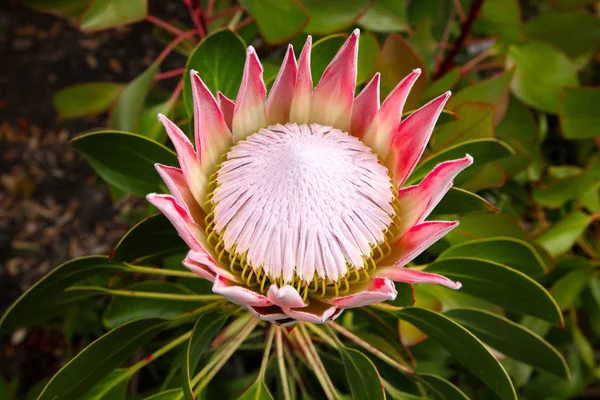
[
  {"x": 280, "y": 97},
  {"x": 300, "y": 109},
  {"x": 213, "y": 137},
  {"x": 417, "y": 202},
  {"x": 227, "y": 108},
  {"x": 250, "y": 114},
  {"x": 316, "y": 312},
  {"x": 199, "y": 264},
  {"x": 416, "y": 240},
  {"x": 411, "y": 138},
  {"x": 272, "y": 313},
  {"x": 334, "y": 95},
  {"x": 202, "y": 258},
  {"x": 238, "y": 294},
  {"x": 380, "y": 133},
  {"x": 179, "y": 188},
  {"x": 286, "y": 296},
  {"x": 180, "y": 219},
  {"x": 378, "y": 289},
  {"x": 365, "y": 107},
  {"x": 194, "y": 175},
  {"x": 407, "y": 275}
]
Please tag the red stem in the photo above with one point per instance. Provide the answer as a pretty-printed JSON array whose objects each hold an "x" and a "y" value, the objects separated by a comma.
[
  {"x": 209, "y": 8},
  {"x": 185, "y": 35},
  {"x": 165, "y": 25},
  {"x": 196, "y": 20},
  {"x": 223, "y": 13},
  {"x": 244, "y": 22},
  {"x": 169, "y": 74},
  {"x": 465, "y": 29}
]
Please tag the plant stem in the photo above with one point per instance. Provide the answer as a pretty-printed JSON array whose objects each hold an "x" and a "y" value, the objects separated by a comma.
[
  {"x": 163, "y": 24},
  {"x": 223, "y": 13},
  {"x": 169, "y": 74},
  {"x": 465, "y": 29},
  {"x": 150, "y": 295},
  {"x": 245, "y": 22},
  {"x": 265, "y": 360},
  {"x": 218, "y": 360},
  {"x": 163, "y": 350},
  {"x": 281, "y": 364},
  {"x": 167, "y": 50},
  {"x": 160, "y": 271}
]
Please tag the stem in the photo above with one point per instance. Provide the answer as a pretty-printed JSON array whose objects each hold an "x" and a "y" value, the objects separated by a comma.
[
  {"x": 223, "y": 13},
  {"x": 163, "y": 24},
  {"x": 209, "y": 9},
  {"x": 160, "y": 271},
  {"x": 378, "y": 353},
  {"x": 465, "y": 29},
  {"x": 265, "y": 360},
  {"x": 476, "y": 60},
  {"x": 149, "y": 295},
  {"x": 169, "y": 74},
  {"x": 326, "y": 338},
  {"x": 167, "y": 50},
  {"x": 245, "y": 22},
  {"x": 216, "y": 363},
  {"x": 281, "y": 364},
  {"x": 459, "y": 10},
  {"x": 294, "y": 371},
  {"x": 315, "y": 362},
  {"x": 163, "y": 350},
  {"x": 196, "y": 20},
  {"x": 234, "y": 20}
]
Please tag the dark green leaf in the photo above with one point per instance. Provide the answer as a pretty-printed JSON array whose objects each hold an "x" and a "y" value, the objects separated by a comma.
[
  {"x": 125, "y": 114},
  {"x": 475, "y": 121},
  {"x": 103, "y": 14},
  {"x": 362, "y": 376},
  {"x": 100, "y": 358},
  {"x": 460, "y": 201},
  {"x": 512, "y": 340},
  {"x": 219, "y": 60},
  {"x": 578, "y": 113},
  {"x": 567, "y": 290},
  {"x": 85, "y": 99},
  {"x": 257, "y": 391},
  {"x": 172, "y": 394},
  {"x": 327, "y": 17},
  {"x": 444, "y": 388},
  {"x": 47, "y": 299},
  {"x": 442, "y": 85},
  {"x": 385, "y": 16},
  {"x": 125, "y": 160},
  {"x": 502, "y": 17},
  {"x": 464, "y": 346},
  {"x": 368, "y": 54},
  {"x": 278, "y": 20},
  {"x": 67, "y": 8},
  {"x": 112, "y": 387},
  {"x": 153, "y": 237},
  {"x": 515, "y": 253},
  {"x": 501, "y": 285}
]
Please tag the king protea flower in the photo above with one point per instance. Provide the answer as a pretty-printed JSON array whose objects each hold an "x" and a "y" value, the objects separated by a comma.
[{"x": 291, "y": 203}]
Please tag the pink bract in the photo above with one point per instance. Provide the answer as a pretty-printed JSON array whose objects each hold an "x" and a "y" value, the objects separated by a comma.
[{"x": 292, "y": 203}]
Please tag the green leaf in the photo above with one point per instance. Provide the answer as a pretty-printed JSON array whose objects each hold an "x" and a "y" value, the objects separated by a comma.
[
  {"x": 112, "y": 387},
  {"x": 368, "y": 54},
  {"x": 327, "y": 17},
  {"x": 322, "y": 52},
  {"x": 541, "y": 72},
  {"x": 424, "y": 44},
  {"x": 512, "y": 252},
  {"x": 278, "y": 20},
  {"x": 443, "y": 84},
  {"x": 460, "y": 201},
  {"x": 361, "y": 374},
  {"x": 493, "y": 91},
  {"x": 567, "y": 290},
  {"x": 482, "y": 150},
  {"x": 257, "y": 391},
  {"x": 67, "y": 8},
  {"x": 578, "y": 114},
  {"x": 121, "y": 310},
  {"x": 503, "y": 18},
  {"x": 512, "y": 340},
  {"x": 96, "y": 361},
  {"x": 47, "y": 299},
  {"x": 501, "y": 285},
  {"x": 125, "y": 160},
  {"x": 475, "y": 121},
  {"x": 550, "y": 27},
  {"x": 464, "y": 346},
  {"x": 153, "y": 237},
  {"x": 126, "y": 112},
  {"x": 206, "y": 327},
  {"x": 85, "y": 99},
  {"x": 104, "y": 14},
  {"x": 172, "y": 394},
  {"x": 396, "y": 60},
  {"x": 563, "y": 234},
  {"x": 442, "y": 387},
  {"x": 385, "y": 16},
  {"x": 219, "y": 60}
]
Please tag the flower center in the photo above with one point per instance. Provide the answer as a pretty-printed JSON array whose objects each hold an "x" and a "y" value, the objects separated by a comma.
[{"x": 301, "y": 204}]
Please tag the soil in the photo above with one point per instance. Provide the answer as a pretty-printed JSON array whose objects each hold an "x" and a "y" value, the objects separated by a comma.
[{"x": 52, "y": 207}]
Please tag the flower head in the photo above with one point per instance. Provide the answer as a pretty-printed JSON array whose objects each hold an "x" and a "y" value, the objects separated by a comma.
[{"x": 292, "y": 203}]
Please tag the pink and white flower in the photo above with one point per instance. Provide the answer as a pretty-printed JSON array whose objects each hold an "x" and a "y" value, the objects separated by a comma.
[{"x": 292, "y": 203}]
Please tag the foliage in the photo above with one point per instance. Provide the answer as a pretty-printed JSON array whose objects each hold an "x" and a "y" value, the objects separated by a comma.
[{"x": 525, "y": 323}]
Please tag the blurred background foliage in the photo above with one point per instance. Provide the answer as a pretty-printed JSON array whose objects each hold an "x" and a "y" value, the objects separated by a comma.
[{"x": 526, "y": 106}]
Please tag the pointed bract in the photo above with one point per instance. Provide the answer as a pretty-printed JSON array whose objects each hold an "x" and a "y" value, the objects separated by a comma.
[
  {"x": 280, "y": 97},
  {"x": 238, "y": 294},
  {"x": 286, "y": 296},
  {"x": 300, "y": 108},
  {"x": 380, "y": 133},
  {"x": 178, "y": 186},
  {"x": 412, "y": 276},
  {"x": 316, "y": 312},
  {"x": 250, "y": 113},
  {"x": 212, "y": 135},
  {"x": 227, "y": 108},
  {"x": 365, "y": 108},
  {"x": 334, "y": 95},
  {"x": 411, "y": 138},
  {"x": 377, "y": 290}
]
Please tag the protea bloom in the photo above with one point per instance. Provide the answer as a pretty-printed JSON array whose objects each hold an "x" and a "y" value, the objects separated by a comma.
[{"x": 290, "y": 203}]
